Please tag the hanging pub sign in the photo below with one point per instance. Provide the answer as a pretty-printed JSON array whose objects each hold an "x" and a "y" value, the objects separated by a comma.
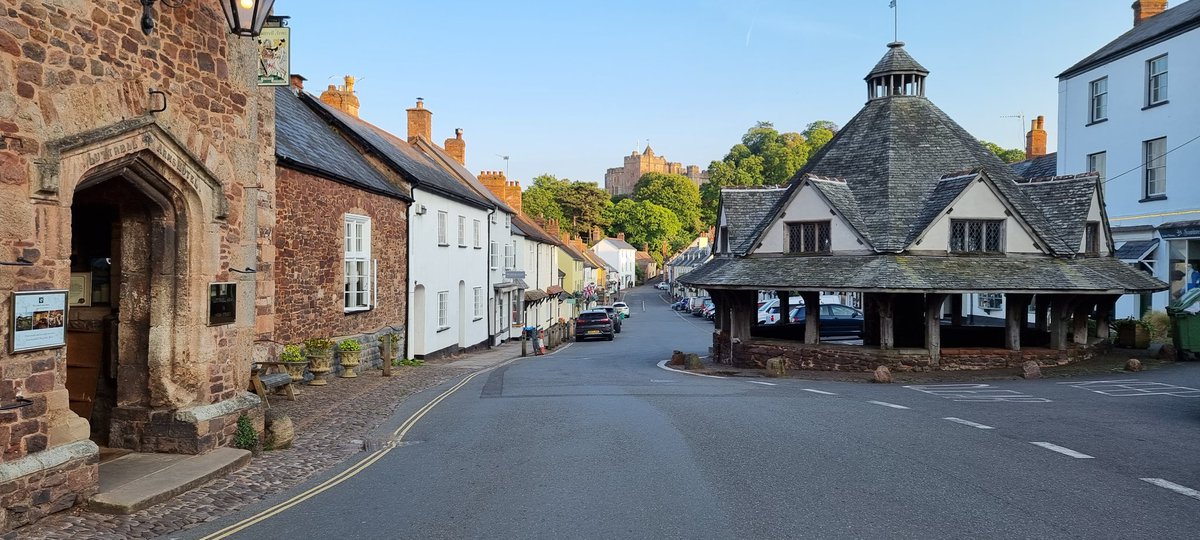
[
  {"x": 222, "y": 303},
  {"x": 274, "y": 56},
  {"x": 39, "y": 320}
]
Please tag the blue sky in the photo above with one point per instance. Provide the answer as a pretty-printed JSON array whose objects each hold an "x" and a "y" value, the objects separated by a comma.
[{"x": 568, "y": 88}]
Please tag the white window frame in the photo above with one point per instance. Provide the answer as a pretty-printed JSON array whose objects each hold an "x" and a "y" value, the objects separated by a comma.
[
  {"x": 358, "y": 292},
  {"x": 493, "y": 255},
  {"x": 1091, "y": 238},
  {"x": 510, "y": 255},
  {"x": 990, "y": 301},
  {"x": 478, "y": 244},
  {"x": 443, "y": 305},
  {"x": 478, "y": 303},
  {"x": 462, "y": 231},
  {"x": 1098, "y": 162},
  {"x": 1156, "y": 81},
  {"x": 443, "y": 216},
  {"x": 1154, "y": 172},
  {"x": 1098, "y": 99}
]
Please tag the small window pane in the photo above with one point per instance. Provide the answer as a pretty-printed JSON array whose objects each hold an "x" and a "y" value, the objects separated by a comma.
[{"x": 978, "y": 236}]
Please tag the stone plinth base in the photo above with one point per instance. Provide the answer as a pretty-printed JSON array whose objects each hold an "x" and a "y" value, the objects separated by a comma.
[
  {"x": 191, "y": 430},
  {"x": 46, "y": 482}
]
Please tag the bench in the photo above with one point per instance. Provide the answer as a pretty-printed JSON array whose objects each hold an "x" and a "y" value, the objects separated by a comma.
[{"x": 267, "y": 377}]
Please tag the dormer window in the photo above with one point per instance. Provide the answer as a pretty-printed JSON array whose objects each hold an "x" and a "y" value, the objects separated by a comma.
[
  {"x": 976, "y": 235},
  {"x": 808, "y": 237}
]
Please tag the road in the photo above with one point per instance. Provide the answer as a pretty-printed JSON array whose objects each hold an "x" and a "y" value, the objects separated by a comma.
[{"x": 598, "y": 441}]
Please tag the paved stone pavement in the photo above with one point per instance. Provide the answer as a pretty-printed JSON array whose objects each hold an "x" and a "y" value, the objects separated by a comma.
[{"x": 331, "y": 424}]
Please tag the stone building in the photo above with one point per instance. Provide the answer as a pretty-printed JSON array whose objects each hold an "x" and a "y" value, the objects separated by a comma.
[
  {"x": 138, "y": 176},
  {"x": 908, "y": 209},
  {"x": 341, "y": 234},
  {"x": 621, "y": 180}
]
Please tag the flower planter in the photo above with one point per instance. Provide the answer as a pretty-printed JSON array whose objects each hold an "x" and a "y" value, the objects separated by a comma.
[
  {"x": 319, "y": 363},
  {"x": 349, "y": 362},
  {"x": 296, "y": 370}
]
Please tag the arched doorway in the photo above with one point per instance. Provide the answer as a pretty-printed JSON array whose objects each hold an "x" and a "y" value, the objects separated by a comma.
[{"x": 128, "y": 247}]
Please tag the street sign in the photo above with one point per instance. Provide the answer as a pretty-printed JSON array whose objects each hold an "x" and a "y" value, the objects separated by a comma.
[{"x": 514, "y": 274}]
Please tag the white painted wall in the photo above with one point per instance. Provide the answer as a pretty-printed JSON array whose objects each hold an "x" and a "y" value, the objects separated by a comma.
[
  {"x": 808, "y": 205},
  {"x": 977, "y": 201}
]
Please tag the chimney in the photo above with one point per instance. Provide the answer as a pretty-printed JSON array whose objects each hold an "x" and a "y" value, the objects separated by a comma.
[
  {"x": 552, "y": 227},
  {"x": 596, "y": 235},
  {"x": 342, "y": 98},
  {"x": 1144, "y": 9},
  {"x": 296, "y": 81},
  {"x": 621, "y": 235},
  {"x": 457, "y": 147},
  {"x": 646, "y": 247},
  {"x": 512, "y": 194},
  {"x": 1035, "y": 140},
  {"x": 420, "y": 122}
]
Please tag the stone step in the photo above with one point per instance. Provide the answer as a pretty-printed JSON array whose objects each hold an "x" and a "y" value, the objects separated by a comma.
[{"x": 136, "y": 481}]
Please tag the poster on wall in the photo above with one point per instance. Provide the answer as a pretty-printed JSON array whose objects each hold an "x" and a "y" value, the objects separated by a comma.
[
  {"x": 274, "y": 56},
  {"x": 222, "y": 303},
  {"x": 39, "y": 320},
  {"x": 81, "y": 289}
]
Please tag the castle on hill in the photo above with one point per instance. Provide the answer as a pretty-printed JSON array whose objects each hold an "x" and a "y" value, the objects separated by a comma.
[{"x": 621, "y": 180}]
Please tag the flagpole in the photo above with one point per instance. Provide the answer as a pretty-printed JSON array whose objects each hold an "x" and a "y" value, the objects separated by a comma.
[{"x": 895, "y": 22}]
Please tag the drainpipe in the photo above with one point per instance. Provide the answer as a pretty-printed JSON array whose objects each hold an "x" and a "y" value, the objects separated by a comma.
[{"x": 408, "y": 280}]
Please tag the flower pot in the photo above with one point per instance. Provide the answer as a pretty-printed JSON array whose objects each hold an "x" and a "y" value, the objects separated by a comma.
[
  {"x": 296, "y": 370},
  {"x": 349, "y": 362},
  {"x": 319, "y": 363}
]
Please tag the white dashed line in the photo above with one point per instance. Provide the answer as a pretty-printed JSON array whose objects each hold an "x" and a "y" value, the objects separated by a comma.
[
  {"x": 1182, "y": 490},
  {"x": 822, "y": 392},
  {"x": 762, "y": 383},
  {"x": 1062, "y": 450},
  {"x": 886, "y": 404},
  {"x": 967, "y": 422}
]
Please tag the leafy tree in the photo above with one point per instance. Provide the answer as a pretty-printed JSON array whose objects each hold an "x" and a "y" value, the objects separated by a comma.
[
  {"x": 1007, "y": 155},
  {"x": 578, "y": 206},
  {"x": 646, "y": 223},
  {"x": 675, "y": 192}
]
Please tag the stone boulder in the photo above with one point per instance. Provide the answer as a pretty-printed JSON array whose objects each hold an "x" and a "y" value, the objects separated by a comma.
[
  {"x": 693, "y": 362},
  {"x": 676, "y": 358},
  {"x": 1031, "y": 370},
  {"x": 776, "y": 367},
  {"x": 882, "y": 375},
  {"x": 1133, "y": 365},
  {"x": 278, "y": 430}
]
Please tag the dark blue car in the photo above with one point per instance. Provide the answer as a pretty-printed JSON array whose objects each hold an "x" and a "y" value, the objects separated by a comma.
[{"x": 836, "y": 320}]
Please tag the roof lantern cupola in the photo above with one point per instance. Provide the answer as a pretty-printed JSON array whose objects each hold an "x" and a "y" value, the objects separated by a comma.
[{"x": 896, "y": 74}]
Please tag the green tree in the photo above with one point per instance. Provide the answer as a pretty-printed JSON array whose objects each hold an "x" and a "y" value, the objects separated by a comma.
[
  {"x": 676, "y": 193},
  {"x": 578, "y": 206},
  {"x": 1007, "y": 155},
  {"x": 646, "y": 223}
]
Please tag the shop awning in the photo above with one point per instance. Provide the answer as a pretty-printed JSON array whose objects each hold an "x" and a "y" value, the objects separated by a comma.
[
  {"x": 1134, "y": 251},
  {"x": 535, "y": 295},
  {"x": 515, "y": 283},
  {"x": 553, "y": 290}
]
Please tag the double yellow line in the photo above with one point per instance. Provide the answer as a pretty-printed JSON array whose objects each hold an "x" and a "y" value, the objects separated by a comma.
[{"x": 365, "y": 462}]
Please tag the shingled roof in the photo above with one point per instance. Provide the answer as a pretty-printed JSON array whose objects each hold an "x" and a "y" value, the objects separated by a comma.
[
  {"x": 1065, "y": 202},
  {"x": 1037, "y": 167},
  {"x": 1156, "y": 29},
  {"x": 744, "y": 209},
  {"x": 896, "y": 60},
  {"x": 305, "y": 141}
]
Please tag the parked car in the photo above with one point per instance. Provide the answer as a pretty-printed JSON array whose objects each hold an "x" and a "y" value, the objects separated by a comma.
[
  {"x": 836, "y": 320},
  {"x": 698, "y": 309},
  {"x": 768, "y": 313},
  {"x": 594, "y": 323},
  {"x": 710, "y": 311},
  {"x": 612, "y": 314},
  {"x": 622, "y": 308},
  {"x": 662, "y": 286}
]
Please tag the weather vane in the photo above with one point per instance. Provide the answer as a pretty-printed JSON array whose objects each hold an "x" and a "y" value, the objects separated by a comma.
[{"x": 895, "y": 21}]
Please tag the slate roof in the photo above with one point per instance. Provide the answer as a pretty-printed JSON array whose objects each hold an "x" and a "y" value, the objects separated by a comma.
[
  {"x": 1165, "y": 25},
  {"x": 1065, "y": 201},
  {"x": 1037, "y": 167},
  {"x": 304, "y": 140},
  {"x": 896, "y": 60},
  {"x": 743, "y": 210},
  {"x": 906, "y": 273},
  {"x": 415, "y": 166},
  {"x": 1136, "y": 250},
  {"x": 619, "y": 244},
  {"x": 531, "y": 230},
  {"x": 948, "y": 190},
  {"x": 452, "y": 165}
]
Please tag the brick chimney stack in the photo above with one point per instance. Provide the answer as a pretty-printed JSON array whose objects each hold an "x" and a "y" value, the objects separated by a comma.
[
  {"x": 457, "y": 147},
  {"x": 621, "y": 235},
  {"x": 342, "y": 97},
  {"x": 420, "y": 122},
  {"x": 296, "y": 81},
  {"x": 1035, "y": 140},
  {"x": 596, "y": 235},
  {"x": 552, "y": 227},
  {"x": 1144, "y": 9}
]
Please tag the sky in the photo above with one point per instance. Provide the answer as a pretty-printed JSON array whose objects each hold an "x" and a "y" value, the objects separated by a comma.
[{"x": 570, "y": 87}]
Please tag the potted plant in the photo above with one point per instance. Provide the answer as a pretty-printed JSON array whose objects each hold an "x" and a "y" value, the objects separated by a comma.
[
  {"x": 294, "y": 361},
  {"x": 349, "y": 351},
  {"x": 1132, "y": 333},
  {"x": 320, "y": 359}
]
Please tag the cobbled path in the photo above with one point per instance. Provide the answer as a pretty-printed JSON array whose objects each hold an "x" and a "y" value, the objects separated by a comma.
[{"x": 330, "y": 422}]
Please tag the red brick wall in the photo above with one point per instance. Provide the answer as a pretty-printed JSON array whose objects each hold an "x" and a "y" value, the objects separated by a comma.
[{"x": 309, "y": 268}]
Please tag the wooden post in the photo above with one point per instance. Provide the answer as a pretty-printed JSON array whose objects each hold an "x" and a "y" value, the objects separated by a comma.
[
  {"x": 1015, "y": 306},
  {"x": 812, "y": 317},
  {"x": 785, "y": 307},
  {"x": 1041, "y": 303},
  {"x": 1104, "y": 312},
  {"x": 870, "y": 319},
  {"x": 933, "y": 327},
  {"x": 387, "y": 355},
  {"x": 743, "y": 314},
  {"x": 1059, "y": 308},
  {"x": 956, "y": 301},
  {"x": 1083, "y": 310},
  {"x": 887, "y": 335}
]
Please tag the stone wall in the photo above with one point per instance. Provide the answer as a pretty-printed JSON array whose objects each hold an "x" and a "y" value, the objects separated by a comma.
[
  {"x": 47, "y": 482},
  {"x": 309, "y": 268}
]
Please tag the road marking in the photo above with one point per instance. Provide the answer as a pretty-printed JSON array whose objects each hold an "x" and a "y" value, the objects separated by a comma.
[
  {"x": 886, "y": 404},
  {"x": 967, "y": 422},
  {"x": 822, "y": 392},
  {"x": 762, "y": 382},
  {"x": 663, "y": 365},
  {"x": 1133, "y": 387},
  {"x": 978, "y": 393},
  {"x": 1062, "y": 450},
  {"x": 1182, "y": 490},
  {"x": 367, "y": 461}
]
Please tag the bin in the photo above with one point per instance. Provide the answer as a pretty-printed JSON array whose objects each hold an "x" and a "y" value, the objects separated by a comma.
[{"x": 1185, "y": 325}]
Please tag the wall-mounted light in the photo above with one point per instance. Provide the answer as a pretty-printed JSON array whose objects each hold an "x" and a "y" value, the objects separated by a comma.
[
  {"x": 245, "y": 17},
  {"x": 248, "y": 270},
  {"x": 21, "y": 261}
]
